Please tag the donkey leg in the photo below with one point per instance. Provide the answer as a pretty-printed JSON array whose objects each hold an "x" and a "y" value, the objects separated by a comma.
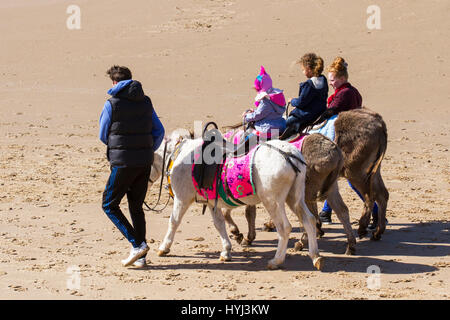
[
  {"x": 363, "y": 188},
  {"x": 365, "y": 218},
  {"x": 291, "y": 200},
  {"x": 308, "y": 221},
  {"x": 236, "y": 234},
  {"x": 341, "y": 210},
  {"x": 303, "y": 242},
  {"x": 179, "y": 209},
  {"x": 250, "y": 215},
  {"x": 312, "y": 206},
  {"x": 219, "y": 223},
  {"x": 278, "y": 215},
  {"x": 381, "y": 195}
]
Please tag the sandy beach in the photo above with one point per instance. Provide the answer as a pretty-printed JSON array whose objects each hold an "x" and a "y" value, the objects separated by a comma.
[{"x": 197, "y": 60}]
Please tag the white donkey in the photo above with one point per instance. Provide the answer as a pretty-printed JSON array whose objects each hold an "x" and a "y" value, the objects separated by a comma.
[{"x": 275, "y": 185}]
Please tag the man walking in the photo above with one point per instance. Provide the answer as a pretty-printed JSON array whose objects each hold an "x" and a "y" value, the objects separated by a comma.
[{"x": 132, "y": 132}]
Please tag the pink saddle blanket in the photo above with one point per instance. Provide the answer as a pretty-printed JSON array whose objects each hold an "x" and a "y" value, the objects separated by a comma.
[
  {"x": 236, "y": 177},
  {"x": 236, "y": 174},
  {"x": 298, "y": 142}
]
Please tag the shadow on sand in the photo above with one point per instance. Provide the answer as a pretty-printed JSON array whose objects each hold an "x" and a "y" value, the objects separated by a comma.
[{"x": 421, "y": 240}]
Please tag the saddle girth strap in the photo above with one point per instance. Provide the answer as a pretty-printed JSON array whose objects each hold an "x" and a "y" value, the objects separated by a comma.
[{"x": 218, "y": 182}]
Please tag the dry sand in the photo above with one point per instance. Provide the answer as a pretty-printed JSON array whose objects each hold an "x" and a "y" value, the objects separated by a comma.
[{"x": 197, "y": 60}]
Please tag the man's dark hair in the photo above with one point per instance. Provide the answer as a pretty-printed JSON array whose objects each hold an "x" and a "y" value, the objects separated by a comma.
[{"x": 117, "y": 73}]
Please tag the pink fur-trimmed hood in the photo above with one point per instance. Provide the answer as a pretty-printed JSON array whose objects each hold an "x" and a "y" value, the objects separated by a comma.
[{"x": 263, "y": 84}]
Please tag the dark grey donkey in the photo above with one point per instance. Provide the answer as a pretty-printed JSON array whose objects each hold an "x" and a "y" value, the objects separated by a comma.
[
  {"x": 325, "y": 162},
  {"x": 361, "y": 137}
]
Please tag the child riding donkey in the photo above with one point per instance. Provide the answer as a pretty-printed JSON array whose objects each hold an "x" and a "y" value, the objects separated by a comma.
[
  {"x": 270, "y": 104},
  {"x": 312, "y": 99}
]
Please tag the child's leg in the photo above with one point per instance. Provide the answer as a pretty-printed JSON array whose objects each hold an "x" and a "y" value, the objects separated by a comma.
[
  {"x": 292, "y": 127},
  {"x": 293, "y": 122},
  {"x": 326, "y": 207}
]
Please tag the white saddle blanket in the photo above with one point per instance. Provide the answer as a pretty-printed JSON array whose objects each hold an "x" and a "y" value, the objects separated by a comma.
[{"x": 327, "y": 129}]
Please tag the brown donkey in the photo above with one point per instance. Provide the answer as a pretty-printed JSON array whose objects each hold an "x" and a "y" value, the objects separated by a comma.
[
  {"x": 324, "y": 162},
  {"x": 361, "y": 135}
]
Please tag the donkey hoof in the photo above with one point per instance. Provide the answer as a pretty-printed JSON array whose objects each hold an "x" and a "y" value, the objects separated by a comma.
[
  {"x": 375, "y": 236},
  {"x": 239, "y": 238},
  {"x": 224, "y": 258},
  {"x": 246, "y": 243},
  {"x": 319, "y": 263},
  {"x": 320, "y": 233},
  {"x": 350, "y": 251},
  {"x": 272, "y": 265},
  {"x": 269, "y": 227},
  {"x": 162, "y": 253},
  {"x": 362, "y": 233},
  {"x": 298, "y": 246}
]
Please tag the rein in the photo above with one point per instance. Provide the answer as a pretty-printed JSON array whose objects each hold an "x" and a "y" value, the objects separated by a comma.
[
  {"x": 160, "y": 185},
  {"x": 287, "y": 109},
  {"x": 166, "y": 173}
]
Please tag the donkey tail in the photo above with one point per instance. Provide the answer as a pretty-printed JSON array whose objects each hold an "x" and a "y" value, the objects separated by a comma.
[{"x": 380, "y": 155}]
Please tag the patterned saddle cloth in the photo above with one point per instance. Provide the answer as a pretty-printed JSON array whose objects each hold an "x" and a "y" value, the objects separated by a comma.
[{"x": 235, "y": 179}]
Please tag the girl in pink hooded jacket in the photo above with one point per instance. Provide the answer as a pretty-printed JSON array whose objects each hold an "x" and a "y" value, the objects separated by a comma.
[{"x": 270, "y": 103}]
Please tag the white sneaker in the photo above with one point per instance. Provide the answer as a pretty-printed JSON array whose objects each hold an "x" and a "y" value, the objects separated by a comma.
[
  {"x": 135, "y": 254},
  {"x": 140, "y": 263}
]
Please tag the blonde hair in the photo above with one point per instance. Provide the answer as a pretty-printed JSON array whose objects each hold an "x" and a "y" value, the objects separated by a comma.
[
  {"x": 339, "y": 68},
  {"x": 313, "y": 62}
]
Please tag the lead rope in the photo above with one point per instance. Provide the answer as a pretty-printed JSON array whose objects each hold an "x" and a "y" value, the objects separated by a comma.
[{"x": 161, "y": 184}]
